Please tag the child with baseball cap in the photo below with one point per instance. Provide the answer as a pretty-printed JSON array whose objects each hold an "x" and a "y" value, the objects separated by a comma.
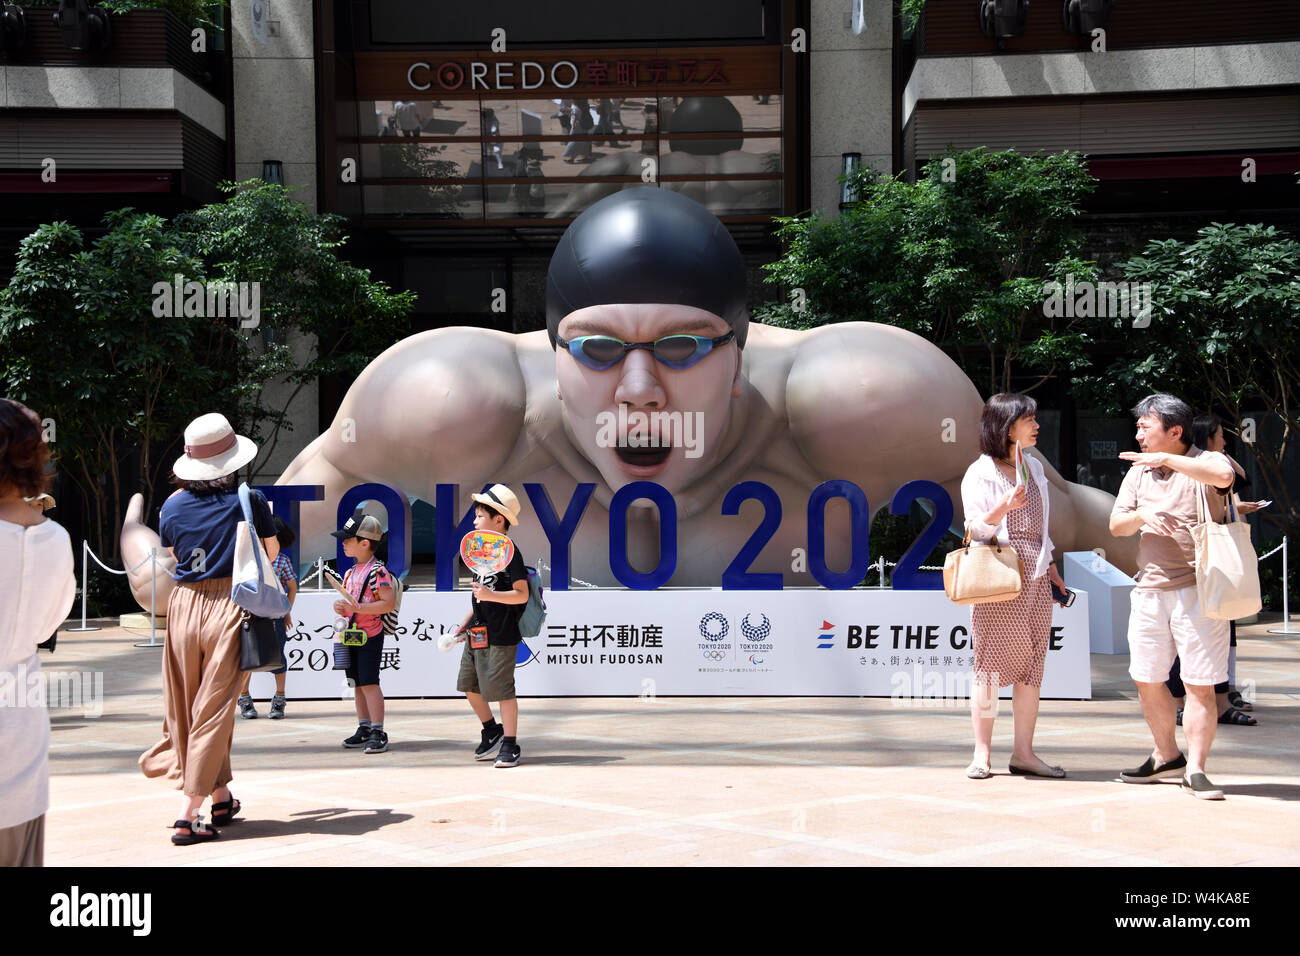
[
  {"x": 371, "y": 588},
  {"x": 487, "y": 665}
]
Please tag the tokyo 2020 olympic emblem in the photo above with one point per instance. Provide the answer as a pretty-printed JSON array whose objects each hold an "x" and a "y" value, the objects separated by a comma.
[
  {"x": 707, "y": 632},
  {"x": 751, "y": 632}
]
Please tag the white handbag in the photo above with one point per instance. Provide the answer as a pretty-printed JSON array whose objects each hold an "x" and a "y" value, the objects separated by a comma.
[
  {"x": 1227, "y": 568},
  {"x": 255, "y": 586}
]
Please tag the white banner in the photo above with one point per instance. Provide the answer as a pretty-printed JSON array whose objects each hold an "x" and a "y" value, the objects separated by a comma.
[{"x": 694, "y": 642}]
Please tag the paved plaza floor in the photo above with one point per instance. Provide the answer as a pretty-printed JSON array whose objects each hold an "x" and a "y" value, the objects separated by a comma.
[{"x": 680, "y": 781}]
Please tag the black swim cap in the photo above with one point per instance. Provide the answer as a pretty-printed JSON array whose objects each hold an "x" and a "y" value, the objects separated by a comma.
[
  {"x": 647, "y": 245},
  {"x": 705, "y": 114}
]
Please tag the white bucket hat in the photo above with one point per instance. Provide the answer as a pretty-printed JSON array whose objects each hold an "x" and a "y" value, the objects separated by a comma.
[
  {"x": 213, "y": 450},
  {"x": 501, "y": 499}
]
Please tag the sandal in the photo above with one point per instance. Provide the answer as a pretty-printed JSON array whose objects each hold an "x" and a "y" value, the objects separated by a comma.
[
  {"x": 197, "y": 832},
  {"x": 226, "y": 811},
  {"x": 1231, "y": 716},
  {"x": 1239, "y": 702}
]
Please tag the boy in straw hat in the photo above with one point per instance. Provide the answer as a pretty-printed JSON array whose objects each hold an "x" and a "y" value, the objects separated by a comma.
[{"x": 487, "y": 665}]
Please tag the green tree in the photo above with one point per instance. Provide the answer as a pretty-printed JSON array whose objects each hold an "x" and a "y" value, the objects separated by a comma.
[
  {"x": 961, "y": 257},
  {"x": 336, "y": 316},
  {"x": 1224, "y": 334},
  {"x": 90, "y": 342},
  {"x": 84, "y": 350},
  {"x": 204, "y": 13}
]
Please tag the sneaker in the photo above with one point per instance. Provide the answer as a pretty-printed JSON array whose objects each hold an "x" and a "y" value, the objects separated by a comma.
[
  {"x": 377, "y": 742},
  {"x": 277, "y": 707},
  {"x": 491, "y": 740},
  {"x": 1199, "y": 786},
  {"x": 246, "y": 708},
  {"x": 1150, "y": 773},
  {"x": 358, "y": 739},
  {"x": 508, "y": 757}
]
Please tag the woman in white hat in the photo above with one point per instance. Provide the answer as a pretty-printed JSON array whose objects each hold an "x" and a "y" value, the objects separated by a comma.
[{"x": 201, "y": 653}]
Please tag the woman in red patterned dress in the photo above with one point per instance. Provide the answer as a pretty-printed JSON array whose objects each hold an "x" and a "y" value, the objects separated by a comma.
[{"x": 1010, "y": 636}]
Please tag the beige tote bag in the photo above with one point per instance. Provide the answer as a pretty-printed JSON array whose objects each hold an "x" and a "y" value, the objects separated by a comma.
[
  {"x": 1227, "y": 568},
  {"x": 982, "y": 574}
]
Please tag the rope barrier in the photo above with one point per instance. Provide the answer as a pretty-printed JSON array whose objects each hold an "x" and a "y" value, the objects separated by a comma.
[
  {"x": 86, "y": 554},
  {"x": 1273, "y": 552}
]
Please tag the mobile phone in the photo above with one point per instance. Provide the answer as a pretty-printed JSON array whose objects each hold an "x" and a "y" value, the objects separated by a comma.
[{"x": 1064, "y": 598}]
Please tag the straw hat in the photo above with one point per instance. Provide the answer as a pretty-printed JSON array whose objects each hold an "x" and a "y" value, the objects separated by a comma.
[
  {"x": 501, "y": 499},
  {"x": 213, "y": 450}
]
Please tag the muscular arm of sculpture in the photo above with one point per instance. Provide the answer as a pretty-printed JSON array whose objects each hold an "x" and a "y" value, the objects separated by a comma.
[
  {"x": 881, "y": 406},
  {"x": 444, "y": 405}
]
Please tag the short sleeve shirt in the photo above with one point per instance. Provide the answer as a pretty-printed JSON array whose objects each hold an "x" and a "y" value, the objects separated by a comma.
[
  {"x": 1167, "y": 563},
  {"x": 284, "y": 570},
  {"x": 200, "y": 530},
  {"x": 355, "y": 580},
  {"x": 502, "y": 620}
]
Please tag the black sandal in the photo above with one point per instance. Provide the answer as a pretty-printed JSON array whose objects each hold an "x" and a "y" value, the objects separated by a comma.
[
  {"x": 1231, "y": 716},
  {"x": 1239, "y": 702},
  {"x": 197, "y": 832},
  {"x": 225, "y": 812}
]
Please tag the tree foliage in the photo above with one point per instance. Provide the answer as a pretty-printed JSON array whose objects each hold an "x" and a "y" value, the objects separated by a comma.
[
  {"x": 961, "y": 257},
  {"x": 85, "y": 344},
  {"x": 1224, "y": 334}
]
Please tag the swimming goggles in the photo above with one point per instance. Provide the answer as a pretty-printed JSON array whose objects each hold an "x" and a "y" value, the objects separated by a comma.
[{"x": 600, "y": 352}]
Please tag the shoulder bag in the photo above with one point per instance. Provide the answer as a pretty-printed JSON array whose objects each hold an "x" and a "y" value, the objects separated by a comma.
[
  {"x": 982, "y": 573},
  {"x": 256, "y": 587},
  {"x": 1227, "y": 568}
]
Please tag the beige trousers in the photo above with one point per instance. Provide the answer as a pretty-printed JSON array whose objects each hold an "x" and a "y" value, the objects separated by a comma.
[
  {"x": 23, "y": 845},
  {"x": 200, "y": 680}
]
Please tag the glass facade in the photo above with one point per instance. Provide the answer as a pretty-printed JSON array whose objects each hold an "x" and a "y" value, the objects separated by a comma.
[{"x": 492, "y": 157}]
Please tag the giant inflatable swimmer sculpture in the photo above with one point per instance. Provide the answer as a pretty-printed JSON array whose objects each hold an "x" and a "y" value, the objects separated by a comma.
[{"x": 650, "y": 371}]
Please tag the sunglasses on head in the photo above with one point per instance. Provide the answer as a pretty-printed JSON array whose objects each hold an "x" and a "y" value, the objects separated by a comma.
[{"x": 600, "y": 352}]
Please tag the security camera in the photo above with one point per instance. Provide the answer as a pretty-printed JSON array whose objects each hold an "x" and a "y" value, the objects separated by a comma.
[
  {"x": 13, "y": 27},
  {"x": 1001, "y": 19},
  {"x": 1084, "y": 16},
  {"x": 83, "y": 27}
]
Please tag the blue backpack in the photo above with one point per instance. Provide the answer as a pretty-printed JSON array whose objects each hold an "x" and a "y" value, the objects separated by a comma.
[{"x": 533, "y": 614}]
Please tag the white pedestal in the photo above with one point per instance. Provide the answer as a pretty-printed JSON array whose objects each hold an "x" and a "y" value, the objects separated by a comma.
[{"x": 1108, "y": 599}]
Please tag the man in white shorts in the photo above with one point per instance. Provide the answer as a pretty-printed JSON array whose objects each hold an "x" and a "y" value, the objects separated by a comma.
[{"x": 1158, "y": 497}]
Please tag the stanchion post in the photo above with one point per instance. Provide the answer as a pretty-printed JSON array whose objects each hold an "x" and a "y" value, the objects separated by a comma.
[
  {"x": 153, "y": 602},
  {"x": 85, "y": 580},
  {"x": 1286, "y": 604}
]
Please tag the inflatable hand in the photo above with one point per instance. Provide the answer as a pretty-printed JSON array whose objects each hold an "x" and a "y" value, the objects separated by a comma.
[{"x": 137, "y": 539}]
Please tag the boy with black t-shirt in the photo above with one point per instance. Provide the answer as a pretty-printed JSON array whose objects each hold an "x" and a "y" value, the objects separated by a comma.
[{"x": 487, "y": 665}]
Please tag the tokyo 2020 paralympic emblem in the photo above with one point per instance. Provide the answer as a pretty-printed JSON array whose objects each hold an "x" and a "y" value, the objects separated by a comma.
[{"x": 755, "y": 633}]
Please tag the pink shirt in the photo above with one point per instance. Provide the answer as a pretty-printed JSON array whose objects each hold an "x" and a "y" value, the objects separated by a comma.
[{"x": 354, "y": 580}]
